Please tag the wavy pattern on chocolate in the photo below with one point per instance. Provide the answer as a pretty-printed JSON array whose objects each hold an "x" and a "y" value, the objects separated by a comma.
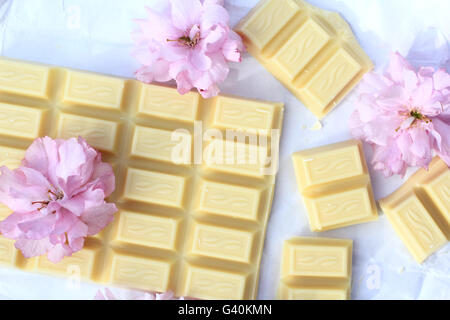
[
  {"x": 172, "y": 105},
  {"x": 150, "y": 232},
  {"x": 134, "y": 272},
  {"x": 16, "y": 120},
  {"x": 315, "y": 269},
  {"x": 417, "y": 223},
  {"x": 329, "y": 166},
  {"x": 217, "y": 243},
  {"x": 101, "y": 92},
  {"x": 336, "y": 73},
  {"x": 235, "y": 114},
  {"x": 294, "y": 57},
  {"x": 19, "y": 121},
  {"x": 340, "y": 208},
  {"x": 94, "y": 134},
  {"x": 221, "y": 242},
  {"x": 240, "y": 114},
  {"x": 214, "y": 283},
  {"x": 21, "y": 79},
  {"x": 223, "y": 288},
  {"x": 162, "y": 101},
  {"x": 419, "y": 211},
  {"x": 154, "y": 144},
  {"x": 335, "y": 185},
  {"x": 315, "y": 261},
  {"x": 236, "y": 202},
  {"x": 31, "y": 80}
]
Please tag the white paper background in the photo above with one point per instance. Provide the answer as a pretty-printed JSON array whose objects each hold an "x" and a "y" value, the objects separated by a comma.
[{"x": 94, "y": 35}]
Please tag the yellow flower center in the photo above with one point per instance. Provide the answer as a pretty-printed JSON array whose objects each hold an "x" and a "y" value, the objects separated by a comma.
[
  {"x": 412, "y": 118},
  {"x": 416, "y": 115}
]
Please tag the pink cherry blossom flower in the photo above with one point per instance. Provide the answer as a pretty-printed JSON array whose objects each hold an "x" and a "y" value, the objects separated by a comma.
[
  {"x": 405, "y": 116},
  {"x": 57, "y": 197},
  {"x": 191, "y": 43},
  {"x": 108, "y": 295}
]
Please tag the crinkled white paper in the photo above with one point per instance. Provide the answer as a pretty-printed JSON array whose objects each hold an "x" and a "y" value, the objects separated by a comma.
[{"x": 95, "y": 35}]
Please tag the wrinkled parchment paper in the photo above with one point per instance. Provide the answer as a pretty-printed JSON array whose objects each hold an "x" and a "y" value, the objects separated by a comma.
[{"x": 95, "y": 35}]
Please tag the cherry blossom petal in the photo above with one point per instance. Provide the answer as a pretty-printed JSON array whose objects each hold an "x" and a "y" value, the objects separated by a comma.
[
  {"x": 99, "y": 217},
  {"x": 215, "y": 40},
  {"x": 200, "y": 60},
  {"x": 21, "y": 187},
  {"x": 39, "y": 153},
  {"x": 397, "y": 67},
  {"x": 207, "y": 82},
  {"x": 213, "y": 2},
  {"x": 57, "y": 252},
  {"x": 38, "y": 228},
  {"x": 374, "y": 84},
  {"x": 233, "y": 48},
  {"x": 441, "y": 80},
  {"x": 214, "y": 14},
  {"x": 185, "y": 13},
  {"x": 421, "y": 148},
  {"x": 158, "y": 71},
  {"x": 71, "y": 157},
  {"x": 379, "y": 131},
  {"x": 147, "y": 54},
  {"x": 145, "y": 74},
  {"x": 209, "y": 92},
  {"x": 137, "y": 295},
  {"x": 184, "y": 84},
  {"x": 194, "y": 32},
  {"x": 411, "y": 81},
  {"x": 425, "y": 72},
  {"x": 442, "y": 126},
  {"x": 33, "y": 248},
  {"x": 156, "y": 27},
  {"x": 104, "y": 178},
  {"x": 9, "y": 226},
  {"x": 192, "y": 54},
  {"x": 108, "y": 295},
  {"x": 76, "y": 235},
  {"x": 422, "y": 95},
  {"x": 66, "y": 179},
  {"x": 404, "y": 119}
]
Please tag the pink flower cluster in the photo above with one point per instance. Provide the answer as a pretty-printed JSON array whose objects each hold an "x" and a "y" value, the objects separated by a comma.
[
  {"x": 405, "y": 116},
  {"x": 58, "y": 198},
  {"x": 190, "y": 43}
]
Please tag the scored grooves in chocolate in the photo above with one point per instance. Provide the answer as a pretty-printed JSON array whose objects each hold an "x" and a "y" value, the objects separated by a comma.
[
  {"x": 335, "y": 184},
  {"x": 113, "y": 115},
  {"x": 313, "y": 52},
  {"x": 316, "y": 269},
  {"x": 419, "y": 210}
]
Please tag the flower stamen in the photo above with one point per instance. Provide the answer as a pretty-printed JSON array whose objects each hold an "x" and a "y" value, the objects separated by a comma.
[
  {"x": 56, "y": 196},
  {"x": 419, "y": 116},
  {"x": 416, "y": 115},
  {"x": 413, "y": 117},
  {"x": 43, "y": 203},
  {"x": 187, "y": 41}
]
